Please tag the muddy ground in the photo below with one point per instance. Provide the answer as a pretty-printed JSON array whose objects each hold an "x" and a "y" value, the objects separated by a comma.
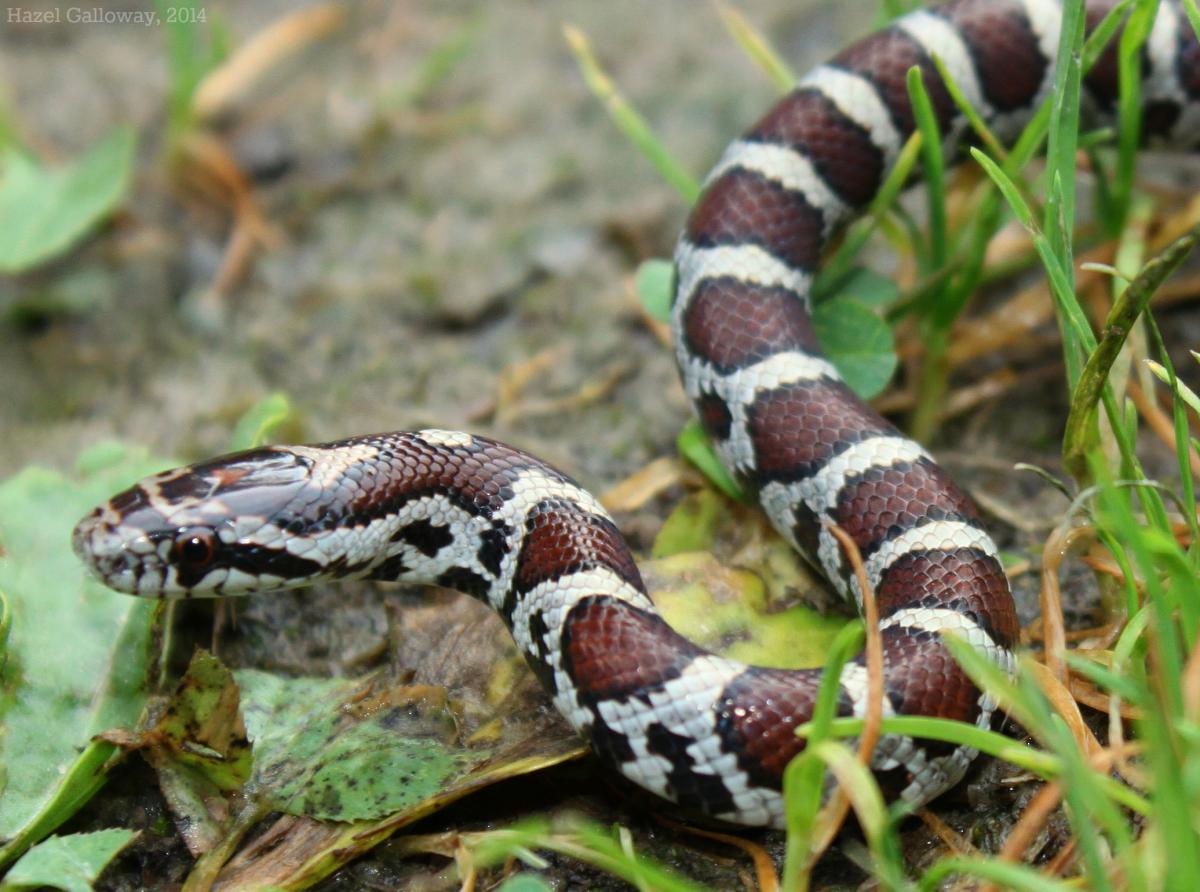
[{"x": 428, "y": 234}]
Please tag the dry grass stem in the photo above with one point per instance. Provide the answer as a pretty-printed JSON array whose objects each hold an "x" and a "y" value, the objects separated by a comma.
[
  {"x": 833, "y": 813},
  {"x": 1053, "y": 627},
  {"x": 637, "y": 489},
  {"x": 953, "y": 840},
  {"x": 228, "y": 84},
  {"x": 764, "y": 867},
  {"x": 1159, "y": 421}
]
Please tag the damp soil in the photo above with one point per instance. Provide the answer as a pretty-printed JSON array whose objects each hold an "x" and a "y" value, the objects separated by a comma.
[{"x": 431, "y": 234}]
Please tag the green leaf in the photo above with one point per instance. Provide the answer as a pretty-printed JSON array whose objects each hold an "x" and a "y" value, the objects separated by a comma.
[
  {"x": 729, "y": 610},
  {"x": 44, "y": 211},
  {"x": 55, "y": 696},
  {"x": 69, "y": 862},
  {"x": 692, "y": 525},
  {"x": 322, "y": 751},
  {"x": 199, "y": 750},
  {"x": 725, "y": 580},
  {"x": 204, "y": 726},
  {"x": 525, "y": 882},
  {"x": 654, "y": 283},
  {"x": 260, "y": 421},
  {"x": 868, "y": 287},
  {"x": 858, "y": 342}
]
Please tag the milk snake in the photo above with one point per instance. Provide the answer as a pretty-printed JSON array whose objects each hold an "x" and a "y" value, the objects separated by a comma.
[{"x": 465, "y": 512}]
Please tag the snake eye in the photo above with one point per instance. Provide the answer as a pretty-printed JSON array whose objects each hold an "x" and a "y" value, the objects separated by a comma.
[{"x": 194, "y": 548}]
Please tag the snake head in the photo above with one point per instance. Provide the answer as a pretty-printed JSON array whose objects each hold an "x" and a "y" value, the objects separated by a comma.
[{"x": 201, "y": 531}]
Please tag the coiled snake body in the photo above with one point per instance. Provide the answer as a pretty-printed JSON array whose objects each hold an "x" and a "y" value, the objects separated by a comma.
[{"x": 465, "y": 512}]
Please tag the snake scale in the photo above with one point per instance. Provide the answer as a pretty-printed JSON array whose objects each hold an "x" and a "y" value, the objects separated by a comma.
[{"x": 462, "y": 511}]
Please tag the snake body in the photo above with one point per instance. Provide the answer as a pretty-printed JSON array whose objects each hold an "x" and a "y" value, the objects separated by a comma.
[{"x": 462, "y": 511}]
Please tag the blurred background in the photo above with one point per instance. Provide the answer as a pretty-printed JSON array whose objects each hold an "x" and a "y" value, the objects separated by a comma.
[{"x": 397, "y": 214}]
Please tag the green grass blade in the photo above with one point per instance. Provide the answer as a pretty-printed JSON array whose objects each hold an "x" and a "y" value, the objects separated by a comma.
[
  {"x": 985, "y": 134},
  {"x": 627, "y": 119},
  {"x": 582, "y": 841},
  {"x": 1059, "y": 219},
  {"x": 1039, "y": 762},
  {"x": 1118, "y": 683},
  {"x": 756, "y": 47},
  {"x": 960, "y": 733},
  {"x": 803, "y": 778},
  {"x": 1081, "y": 431},
  {"x": 1001, "y": 873},
  {"x": 1181, "y": 396},
  {"x": 1193, "y": 15},
  {"x": 860, "y": 786},
  {"x": 1129, "y": 110},
  {"x": 1097, "y": 42},
  {"x": 934, "y": 163},
  {"x": 1165, "y": 372},
  {"x": 931, "y": 384},
  {"x": 841, "y": 264}
]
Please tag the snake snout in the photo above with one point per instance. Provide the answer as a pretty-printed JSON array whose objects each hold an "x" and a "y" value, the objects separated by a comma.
[
  {"x": 88, "y": 540},
  {"x": 106, "y": 553},
  {"x": 81, "y": 535}
]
